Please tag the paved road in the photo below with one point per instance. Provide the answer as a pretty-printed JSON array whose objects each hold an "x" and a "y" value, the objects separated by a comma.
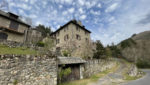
[{"x": 142, "y": 81}]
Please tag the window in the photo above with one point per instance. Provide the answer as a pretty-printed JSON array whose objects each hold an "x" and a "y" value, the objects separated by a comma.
[
  {"x": 86, "y": 33},
  {"x": 66, "y": 37},
  {"x": 86, "y": 40},
  {"x": 3, "y": 36},
  {"x": 78, "y": 37},
  {"x": 14, "y": 25},
  {"x": 77, "y": 28},
  {"x": 57, "y": 41},
  {"x": 66, "y": 28},
  {"x": 58, "y": 33}
]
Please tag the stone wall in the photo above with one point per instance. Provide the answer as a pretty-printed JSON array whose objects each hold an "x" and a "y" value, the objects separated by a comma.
[
  {"x": 27, "y": 70},
  {"x": 92, "y": 67}
]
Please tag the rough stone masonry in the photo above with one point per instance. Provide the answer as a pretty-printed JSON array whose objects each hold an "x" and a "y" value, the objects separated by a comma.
[{"x": 27, "y": 70}]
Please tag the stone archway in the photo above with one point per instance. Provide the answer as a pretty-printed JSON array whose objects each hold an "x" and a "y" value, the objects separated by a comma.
[{"x": 3, "y": 36}]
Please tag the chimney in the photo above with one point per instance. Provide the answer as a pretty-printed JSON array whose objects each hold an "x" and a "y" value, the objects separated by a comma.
[{"x": 79, "y": 22}]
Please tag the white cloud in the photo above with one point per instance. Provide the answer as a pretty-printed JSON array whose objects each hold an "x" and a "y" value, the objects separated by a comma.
[
  {"x": 38, "y": 22},
  {"x": 26, "y": 0},
  {"x": 33, "y": 16},
  {"x": 112, "y": 20},
  {"x": 99, "y": 5},
  {"x": 81, "y": 2},
  {"x": 90, "y": 4},
  {"x": 64, "y": 12},
  {"x": 60, "y": 6},
  {"x": 112, "y": 7},
  {"x": 81, "y": 11},
  {"x": 20, "y": 5},
  {"x": 32, "y": 1},
  {"x": 82, "y": 17},
  {"x": 71, "y": 10},
  {"x": 68, "y": 1},
  {"x": 53, "y": 29},
  {"x": 21, "y": 12},
  {"x": 95, "y": 12},
  {"x": 63, "y": 1}
]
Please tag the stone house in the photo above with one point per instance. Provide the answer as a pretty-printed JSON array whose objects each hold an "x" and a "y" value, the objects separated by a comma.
[
  {"x": 12, "y": 28},
  {"x": 73, "y": 37}
]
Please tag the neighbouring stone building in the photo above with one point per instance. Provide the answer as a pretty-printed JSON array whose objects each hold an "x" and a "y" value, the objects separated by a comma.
[
  {"x": 12, "y": 28},
  {"x": 33, "y": 36},
  {"x": 73, "y": 37}
]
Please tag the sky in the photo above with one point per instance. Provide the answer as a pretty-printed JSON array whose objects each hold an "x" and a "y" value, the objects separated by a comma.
[{"x": 110, "y": 21}]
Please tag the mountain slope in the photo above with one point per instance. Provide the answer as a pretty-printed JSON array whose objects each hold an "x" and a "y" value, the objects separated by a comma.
[{"x": 138, "y": 52}]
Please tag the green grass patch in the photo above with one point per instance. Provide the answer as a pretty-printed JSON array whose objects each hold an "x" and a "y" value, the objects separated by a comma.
[
  {"x": 18, "y": 50},
  {"x": 93, "y": 78},
  {"x": 127, "y": 77}
]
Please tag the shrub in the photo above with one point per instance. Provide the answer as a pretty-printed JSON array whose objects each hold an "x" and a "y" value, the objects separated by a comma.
[
  {"x": 115, "y": 51},
  {"x": 65, "y": 53},
  {"x": 143, "y": 64},
  {"x": 127, "y": 43},
  {"x": 40, "y": 44},
  {"x": 15, "y": 82},
  {"x": 64, "y": 72}
]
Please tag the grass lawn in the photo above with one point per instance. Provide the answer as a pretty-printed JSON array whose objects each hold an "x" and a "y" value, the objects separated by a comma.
[
  {"x": 93, "y": 78},
  {"x": 18, "y": 50}
]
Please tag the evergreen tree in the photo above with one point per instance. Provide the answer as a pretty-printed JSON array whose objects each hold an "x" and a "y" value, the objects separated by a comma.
[
  {"x": 100, "y": 50},
  {"x": 45, "y": 30},
  {"x": 115, "y": 51}
]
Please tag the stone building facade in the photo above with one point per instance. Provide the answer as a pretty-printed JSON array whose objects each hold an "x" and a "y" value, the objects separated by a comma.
[
  {"x": 33, "y": 36},
  {"x": 12, "y": 28},
  {"x": 72, "y": 36}
]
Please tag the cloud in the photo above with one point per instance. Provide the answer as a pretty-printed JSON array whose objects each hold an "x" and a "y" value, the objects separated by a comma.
[
  {"x": 99, "y": 5},
  {"x": 32, "y": 1},
  {"x": 64, "y": 12},
  {"x": 20, "y": 5},
  {"x": 60, "y": 6},
  {"x": 95, "y": 12},
  {"x": 71, "y": 10},
  {"x": 81, "y": 11},
  {"x": 68, "y": 1},
  {"x": 81, "y": 2},
  {"x": 26, "y": 0},
  {"x": 145, "y": 20},
  {"x": 33, "y": 16},
  {"x": 112, "y": 7},
  {"x": 90, "y": 4},
  {"x": 82, "y": 17}
]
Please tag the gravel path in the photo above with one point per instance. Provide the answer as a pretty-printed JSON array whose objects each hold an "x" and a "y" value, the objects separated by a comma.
[{"x": 113, "y": 78}]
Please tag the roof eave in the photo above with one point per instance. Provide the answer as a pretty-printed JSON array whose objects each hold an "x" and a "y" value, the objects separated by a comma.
[{"x": 69, "y": 23}]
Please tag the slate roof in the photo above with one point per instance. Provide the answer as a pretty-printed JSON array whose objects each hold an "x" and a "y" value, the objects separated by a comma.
[
  {"x": 74, "y": 22},
  {"x": 7, "y": 15},
  {"x": 70, "y": 60}
]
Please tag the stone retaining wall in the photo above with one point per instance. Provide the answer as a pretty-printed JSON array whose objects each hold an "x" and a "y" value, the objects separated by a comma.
[
  {"x": 92, "y": 67},
  {"x": 27, "y": 70}
]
